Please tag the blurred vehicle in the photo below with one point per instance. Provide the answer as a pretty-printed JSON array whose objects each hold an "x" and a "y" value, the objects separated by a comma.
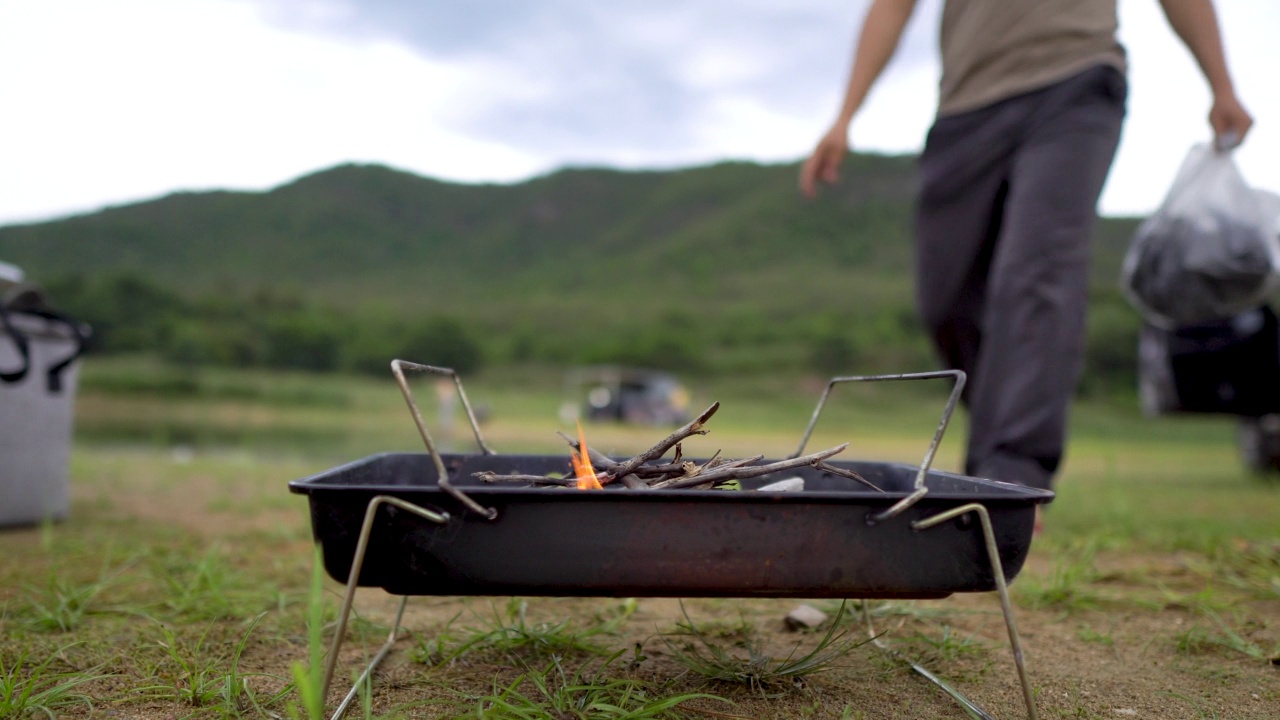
[{"x": 628, "y": 395}]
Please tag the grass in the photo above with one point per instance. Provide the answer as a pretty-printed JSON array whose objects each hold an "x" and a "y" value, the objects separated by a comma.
[
  {"x": 1221, "y": 635},
  {"x": 32, "y": 690},
  {"x": 554, "y": 694},
  {"x": 200, "y": 677},
  {"x": 947, "y": 645},
  {"x": 186, "y": 567},
  {"x": 510, "y": 633},
  {"x": 308, "y": 678},
  {"x": 62, "y": 605},
  {"x": 1251, "y": 567},
  {"x": 746, "y": 661},
  {"x": 1091, "y": 635},
  {"x": 1071, "y": 585}
]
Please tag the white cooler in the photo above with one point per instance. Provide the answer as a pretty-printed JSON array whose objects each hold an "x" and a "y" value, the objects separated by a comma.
[{"x": 37, "y": 395}]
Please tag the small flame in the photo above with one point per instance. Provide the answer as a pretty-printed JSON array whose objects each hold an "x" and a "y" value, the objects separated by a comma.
[{"x": 582, "y": 468}]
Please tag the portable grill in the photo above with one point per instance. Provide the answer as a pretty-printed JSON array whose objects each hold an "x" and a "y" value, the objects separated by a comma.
[{"x": 424, "y": 524}]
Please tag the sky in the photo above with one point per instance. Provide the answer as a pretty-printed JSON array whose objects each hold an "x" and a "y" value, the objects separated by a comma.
[{"x": 109, "y": 102}]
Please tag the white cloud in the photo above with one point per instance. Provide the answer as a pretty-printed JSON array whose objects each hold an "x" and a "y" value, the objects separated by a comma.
[
  {"x": 139, "y": 98},
  {"x": 117, "y": 102}
]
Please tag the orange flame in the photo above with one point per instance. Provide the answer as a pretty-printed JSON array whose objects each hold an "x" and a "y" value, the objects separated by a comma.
[{"x": 582, "y": 468}]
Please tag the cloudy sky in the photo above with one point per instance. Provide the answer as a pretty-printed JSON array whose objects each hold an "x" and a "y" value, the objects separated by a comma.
[{"x": 114, "y": 101}]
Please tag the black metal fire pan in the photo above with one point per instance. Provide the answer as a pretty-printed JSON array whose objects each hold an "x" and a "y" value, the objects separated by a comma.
[{"x": 820, "y": 542}]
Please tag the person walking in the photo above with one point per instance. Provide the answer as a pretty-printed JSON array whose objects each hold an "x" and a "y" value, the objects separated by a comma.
[{"x": 1031, "y": 102}]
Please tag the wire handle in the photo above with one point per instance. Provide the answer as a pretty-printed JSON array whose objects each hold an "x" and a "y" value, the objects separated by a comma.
[
  {"x": 918, "y": 489},
  {"x": 442, "y": 475}
]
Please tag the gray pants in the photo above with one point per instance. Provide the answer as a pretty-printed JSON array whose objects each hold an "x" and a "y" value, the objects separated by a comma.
[{"x": 1004, "y": 220}]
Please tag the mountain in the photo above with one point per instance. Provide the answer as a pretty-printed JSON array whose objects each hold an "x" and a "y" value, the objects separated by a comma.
[
  {"x": 361, "y": 221},
  {"x": 730, "y": 248}
]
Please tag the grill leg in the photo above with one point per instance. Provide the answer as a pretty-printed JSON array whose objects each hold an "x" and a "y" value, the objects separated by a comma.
[
  {"x": 1002, "y": 589},
  {"x": 373, "y": 665},
  {"x": 353, "y": 578}
]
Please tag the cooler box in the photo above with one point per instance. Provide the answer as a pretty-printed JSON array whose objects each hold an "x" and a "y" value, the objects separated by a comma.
[{"x": 39, "y": 353}]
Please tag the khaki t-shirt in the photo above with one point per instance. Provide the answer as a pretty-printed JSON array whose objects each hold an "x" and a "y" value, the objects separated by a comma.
[{"x": 995, "y": 49}]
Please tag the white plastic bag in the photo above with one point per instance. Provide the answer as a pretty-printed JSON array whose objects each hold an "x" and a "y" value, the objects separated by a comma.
[{"x": 1212, "y": 249}]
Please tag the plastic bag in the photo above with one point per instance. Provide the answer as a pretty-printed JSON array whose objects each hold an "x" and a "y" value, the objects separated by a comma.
[{"x": 1212, "y": 249}]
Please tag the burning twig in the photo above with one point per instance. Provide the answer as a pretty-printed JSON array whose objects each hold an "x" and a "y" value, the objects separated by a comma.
[
  {"x": 602, "y": 462},
  {"x": 609, "y": 470},
  {"x": 583, "y": 470},
  {"x": 639, "y": 473}
]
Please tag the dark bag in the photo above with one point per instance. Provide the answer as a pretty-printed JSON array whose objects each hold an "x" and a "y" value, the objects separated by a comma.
[
  {"x": 1229, "y": 366},
  {"x": 24, "y": 310}
]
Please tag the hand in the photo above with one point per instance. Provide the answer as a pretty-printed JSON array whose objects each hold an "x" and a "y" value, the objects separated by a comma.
[
  {"x": 1229, "y": 119},
  {"x": 823, "y": 164}
]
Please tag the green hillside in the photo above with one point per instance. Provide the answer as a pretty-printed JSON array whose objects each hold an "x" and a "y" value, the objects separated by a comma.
[
  {"x": 724, "y": 266},
  {"x": 354, "y": 225}
]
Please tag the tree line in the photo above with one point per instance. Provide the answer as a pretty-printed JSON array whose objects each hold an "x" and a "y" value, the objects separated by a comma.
[{"x": 275, "y": 328}]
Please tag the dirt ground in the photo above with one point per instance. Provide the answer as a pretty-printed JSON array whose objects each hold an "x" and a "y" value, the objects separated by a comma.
[
  {"x": 1096, "y": 663},
  {"x": 1129, "y": 645}
]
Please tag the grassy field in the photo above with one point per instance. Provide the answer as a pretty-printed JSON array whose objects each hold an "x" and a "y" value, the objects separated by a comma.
[{"x": 182, "y": 584}]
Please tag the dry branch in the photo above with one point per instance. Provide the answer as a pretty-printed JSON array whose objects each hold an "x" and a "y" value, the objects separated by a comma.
[
  {"x": 638, "y": 474},
  {"x": 692, "y": 470},
  {"x": 847, "y": 474},
  {"x": 739, "y": 473},
  {"x": 492, "y": 477},
  {"x": 694, "y": 427}
]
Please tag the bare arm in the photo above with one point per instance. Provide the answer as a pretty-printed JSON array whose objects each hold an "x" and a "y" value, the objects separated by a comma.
[
  {"x": 1196, "y": 23},
  {"x": 881, "y": 30}
]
